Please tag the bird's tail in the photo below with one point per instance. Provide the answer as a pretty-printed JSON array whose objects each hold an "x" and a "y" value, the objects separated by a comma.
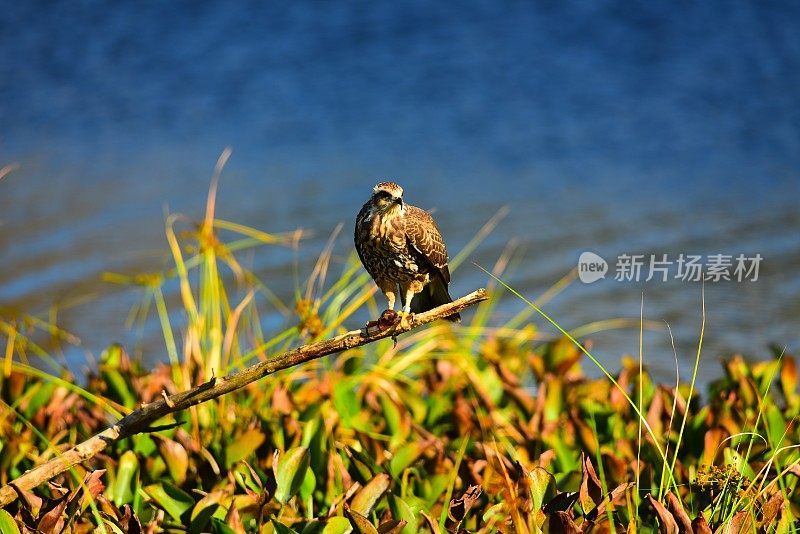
[{"x": 434, "y": 294}]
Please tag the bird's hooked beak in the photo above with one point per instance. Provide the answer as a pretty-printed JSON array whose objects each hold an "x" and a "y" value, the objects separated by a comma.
[{"x": 399, "y": 202}]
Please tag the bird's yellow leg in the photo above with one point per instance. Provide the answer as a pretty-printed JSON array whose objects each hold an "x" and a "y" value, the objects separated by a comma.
[
  {"x": 389, "y": 290},
  {"x": 406, "y": 315}
]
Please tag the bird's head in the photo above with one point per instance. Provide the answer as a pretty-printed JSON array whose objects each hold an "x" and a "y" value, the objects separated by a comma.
[{"x": 387, "y": 197}]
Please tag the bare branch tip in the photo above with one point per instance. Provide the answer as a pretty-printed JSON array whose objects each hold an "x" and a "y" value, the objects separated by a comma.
[{"x": 167, "y": 399}]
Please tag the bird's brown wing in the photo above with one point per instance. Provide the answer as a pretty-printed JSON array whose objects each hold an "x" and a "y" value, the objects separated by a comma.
[
  {"x": 361, "y": 235},
  {"x": 423, "y": 236}
]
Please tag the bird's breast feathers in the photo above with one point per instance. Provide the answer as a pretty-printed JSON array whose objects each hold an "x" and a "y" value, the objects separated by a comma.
[{"x": 387, "y": 229}]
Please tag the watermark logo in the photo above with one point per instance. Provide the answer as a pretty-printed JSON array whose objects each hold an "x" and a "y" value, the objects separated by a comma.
[
  {"x": 686, "y": 267},
  {"x": 591, "y": 267}
]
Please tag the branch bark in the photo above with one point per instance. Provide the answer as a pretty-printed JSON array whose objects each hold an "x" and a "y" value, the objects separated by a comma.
[{"x": 139, "y": 420}]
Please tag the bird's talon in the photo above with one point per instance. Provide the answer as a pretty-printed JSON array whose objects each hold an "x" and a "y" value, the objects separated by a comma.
[
  {"x": 403, "y": 320},
  {"x": 387, "y": 319}
]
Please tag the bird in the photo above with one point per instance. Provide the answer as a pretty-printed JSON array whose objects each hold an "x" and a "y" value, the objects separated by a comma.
[{"x": 401, "y": 247}]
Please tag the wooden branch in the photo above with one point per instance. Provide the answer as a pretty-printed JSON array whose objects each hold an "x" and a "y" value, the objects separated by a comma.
[{"x": 141, "y": 419}]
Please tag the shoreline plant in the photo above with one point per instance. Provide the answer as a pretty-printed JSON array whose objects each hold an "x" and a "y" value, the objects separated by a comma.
[{"x": 478, "y": 428}]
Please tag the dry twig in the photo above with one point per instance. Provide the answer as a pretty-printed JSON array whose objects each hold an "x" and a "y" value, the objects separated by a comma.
[{"x": 141, "y": 419}]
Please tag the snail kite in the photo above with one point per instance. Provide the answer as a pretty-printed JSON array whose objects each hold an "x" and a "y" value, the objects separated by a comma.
[{"x": 401, "y": 247}]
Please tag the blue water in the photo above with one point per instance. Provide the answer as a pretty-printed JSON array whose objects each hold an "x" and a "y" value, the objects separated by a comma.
[{"x": 639, "y": 128}]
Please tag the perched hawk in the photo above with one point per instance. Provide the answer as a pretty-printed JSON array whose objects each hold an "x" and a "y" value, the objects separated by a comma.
[{"x": 400, "y": 245}]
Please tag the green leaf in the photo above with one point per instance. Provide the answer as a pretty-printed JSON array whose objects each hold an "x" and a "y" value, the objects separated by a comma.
[
  {"x": 173, "y": 500},
  {"x": 280, "y": 528},
  {"x": 290, "y": 472},
  {"x": 403, "y": 457},
  {"x": 43, "y": 393},
  {"x": 310, "y": 429},
  {"x": 338, "y": 525},
  {"x": 401, "y": 510},
  {"x": 776, "y": 426},
  {"x": 364, "y": 464},
  {"x": 243, "y": 446},
  {"x": 127, "y": 477},
  {"x": 346, "y": 402},
  {"x": 433, "y": 486},
  {"x": 438, "y": 407},
  {"x": 553, "y": 407},
  {"x": 492, "y": 383},
  {"x": 316, "y": 439},
  {"x": 112, "y": 356},
  {"x": 394, "y": 420},
  {"x": 7, "y": 523},
  {"x": 566, "y": 457},
  {"x": 307, "y": 489},
  {"x": 144, "y": 445},
  {"x": 208, "y": 507},
  {"x": 739, "y": 462},
  {"x": 219, "y": 526},
  {"x": 119, "y": 389},
  {"x": 543, "y": 487},
  {"x": 496, "y": 510},
  {"x": 248, "y": 477}
]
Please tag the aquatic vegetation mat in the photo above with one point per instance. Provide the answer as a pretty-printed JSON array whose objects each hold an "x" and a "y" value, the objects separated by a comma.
[{"x": 480, "y": 427}]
